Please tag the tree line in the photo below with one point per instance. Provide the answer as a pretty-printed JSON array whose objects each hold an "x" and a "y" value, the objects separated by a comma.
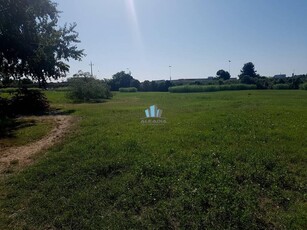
[
  {"x": 125, "y": 80},
  {"x": 248, "y": 75}
]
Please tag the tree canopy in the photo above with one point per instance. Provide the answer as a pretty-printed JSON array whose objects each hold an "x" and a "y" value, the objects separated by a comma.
[
  {"x": 31, "y": 42},
  {"x": 122, "y": 80},
  {"x": 222, "y": 74},
  {"x": 248, "y": 70}
]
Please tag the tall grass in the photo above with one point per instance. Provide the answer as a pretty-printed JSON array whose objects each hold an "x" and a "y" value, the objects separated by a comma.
[
  {"x": 63, "y": 89},
  {"x": 128, "y": 90},
  {"x": 209, "y": 88},
  {"x": 281, "y": 86},
  {"x": 303, "y": 86}
]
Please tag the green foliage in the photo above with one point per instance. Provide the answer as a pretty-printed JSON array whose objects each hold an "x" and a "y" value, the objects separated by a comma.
[
  {"x": 29, "y": 102},
  {"x": 262, "y": 82},
  {"x": 303, "y": 86},
  {"x": 122, "y": 80},
  {"x": 135, "y": 83},
  {"x": 86, "y": 89},
  {"x": 128, "y": 90},
  {"x": 247, "y": 79},
  {"x": 281, "y": 86},
  {"x": 248, "y": 70},
  {"x": 209, "y": 88},
  {"x": 222, "y": 74},
  {"x": 14, "y": 90},
  {"x": 294, "y": 82},
  {"x": 24, "y": 102},
  {"x": 4, "y": 107},
  {"x": 31, "y": 42},
  {"x": 125, "y": 80},
  {"x": 17, "y": 132},
  {"x": 146, "y": 86}
]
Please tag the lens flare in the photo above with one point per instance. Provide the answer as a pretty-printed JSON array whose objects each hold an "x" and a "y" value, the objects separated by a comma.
[{"x": 134, "y": 20}]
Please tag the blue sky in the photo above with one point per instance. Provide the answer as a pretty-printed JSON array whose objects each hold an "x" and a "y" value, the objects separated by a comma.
[{"x": 195, "y": 37}]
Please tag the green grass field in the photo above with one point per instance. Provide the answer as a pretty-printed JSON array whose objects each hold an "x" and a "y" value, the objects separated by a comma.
[
  {"x": 223, "y": 160},
  {"x": 24, "y": 131}
]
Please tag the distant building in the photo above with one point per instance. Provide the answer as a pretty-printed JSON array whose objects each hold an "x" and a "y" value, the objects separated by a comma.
[
  {"x": 280, "y": 76},
  {"x": 210, "y": 78}
]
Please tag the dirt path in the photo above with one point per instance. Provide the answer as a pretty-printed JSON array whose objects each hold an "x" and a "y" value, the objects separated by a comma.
[{"x": 21, "y": 156}]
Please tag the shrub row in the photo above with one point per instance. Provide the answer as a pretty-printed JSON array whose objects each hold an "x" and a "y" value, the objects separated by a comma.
[
  {"x": 281, "y": 86},
  {"x": 128, "y": 90},
  {"x": 209, "y": 88},
  {"x": 14, "y": 90},
  {"x": 303, "y": 86}
]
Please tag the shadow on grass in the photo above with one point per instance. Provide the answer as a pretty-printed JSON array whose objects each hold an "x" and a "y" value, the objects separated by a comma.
[
  {"x": 91, "y": 101},
  {"x": 58, "y": 111},
  {"x": 8, "y": 126}
]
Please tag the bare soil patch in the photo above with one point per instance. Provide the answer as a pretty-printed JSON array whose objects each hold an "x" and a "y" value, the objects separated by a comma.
[{"x": 13, "y": 158}]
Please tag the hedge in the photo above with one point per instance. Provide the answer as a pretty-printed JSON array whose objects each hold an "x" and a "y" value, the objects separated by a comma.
[{"x": 209, "y": 88}]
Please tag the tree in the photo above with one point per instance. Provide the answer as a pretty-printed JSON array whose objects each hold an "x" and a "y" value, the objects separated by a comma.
[
  {"x": 222, "y": 74},
  {"x": 146, "y": 86},
  {"x": 168, "y": 84},
  {"x": 83, "y": 87},
  {"x": 121, "y": 80},
  {"x": 31, "y": 42},
  {"x": 153, "y": 86},
  {"x": 248, "y": 70},
  {"x": 135, "y": 83}
]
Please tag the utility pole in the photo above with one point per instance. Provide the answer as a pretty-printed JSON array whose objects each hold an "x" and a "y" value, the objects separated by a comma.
[
  {"x": 91, "y": 64},
  {"x": 170, "y": 73},
  {"x": 229, "y": 65}
]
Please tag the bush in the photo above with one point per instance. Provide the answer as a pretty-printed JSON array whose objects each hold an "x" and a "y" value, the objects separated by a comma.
[
  {"x": 128, "y": 90},
  {"x": 263, "y": 83},
  {"x": 209, "y": 88},
  {"x": 303, "y": 86},
  {"x": 281, "y": 86},
  {"x": 5, "y": 124},
  {"x": 4, "y": 107},
  {"x": 86, "y": 89},
  {"x": 28, "y": 102},
  {"x": 247, "y": 79}
]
